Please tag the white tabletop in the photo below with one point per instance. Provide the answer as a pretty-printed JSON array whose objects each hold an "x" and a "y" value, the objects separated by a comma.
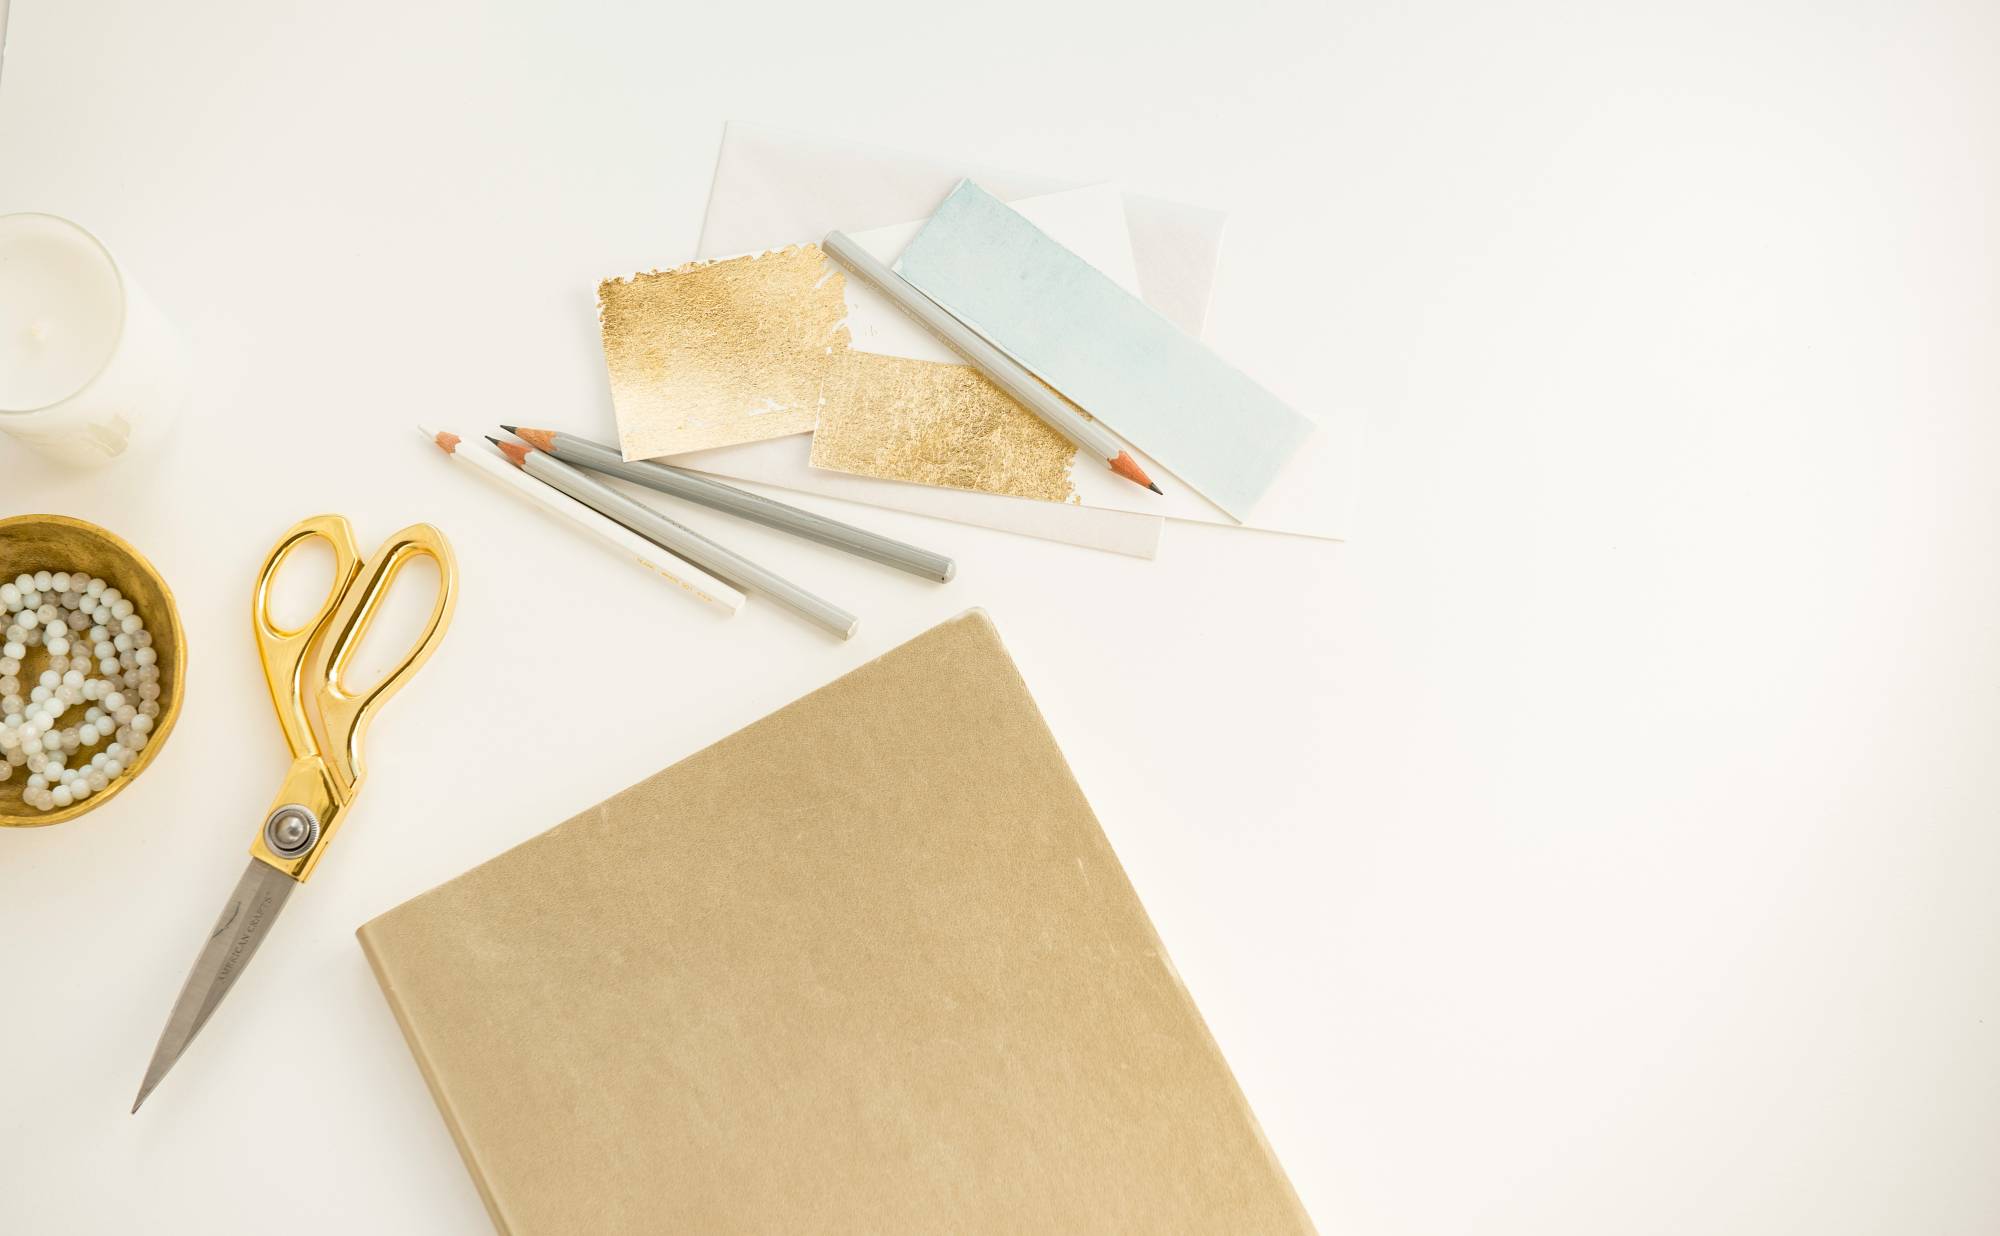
[{"x": 1601, "y": 840}]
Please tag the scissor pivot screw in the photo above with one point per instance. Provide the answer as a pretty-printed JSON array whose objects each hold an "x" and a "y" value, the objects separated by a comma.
[{"x": 291, "y": 831}]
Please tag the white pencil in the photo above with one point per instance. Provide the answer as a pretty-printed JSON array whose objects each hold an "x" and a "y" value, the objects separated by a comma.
[{"x": 689, "y": 577}]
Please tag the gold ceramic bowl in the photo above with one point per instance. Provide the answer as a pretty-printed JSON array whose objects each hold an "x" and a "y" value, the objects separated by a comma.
[{"x": 56, "y": 542}]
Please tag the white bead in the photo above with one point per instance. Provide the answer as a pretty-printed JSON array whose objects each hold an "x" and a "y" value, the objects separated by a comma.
[{"x": 99, "y": 653}]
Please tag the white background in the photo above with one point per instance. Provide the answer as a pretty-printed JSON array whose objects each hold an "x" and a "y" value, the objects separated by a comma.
[{"x": 1602, "y": 840}]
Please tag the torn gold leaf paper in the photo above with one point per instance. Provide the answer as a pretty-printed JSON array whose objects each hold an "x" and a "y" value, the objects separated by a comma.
[
  {"x": 716, "y": 353},
  {"x": 936, "y": 424}
]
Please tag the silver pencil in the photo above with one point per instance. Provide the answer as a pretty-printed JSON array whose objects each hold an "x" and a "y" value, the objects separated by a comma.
[
  {"x": 704, "y": 491},
  {"x": 728, "y": 565},
  {"x": 1001, "y": 369}
]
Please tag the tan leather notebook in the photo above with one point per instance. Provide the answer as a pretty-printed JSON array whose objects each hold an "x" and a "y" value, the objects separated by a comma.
[{"x": 867, "y": 965}]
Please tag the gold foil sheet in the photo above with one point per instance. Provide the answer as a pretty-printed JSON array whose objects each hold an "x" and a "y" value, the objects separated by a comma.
[
  {"x": 715, "y": 353},
  {"x": 936, "y": 424}
]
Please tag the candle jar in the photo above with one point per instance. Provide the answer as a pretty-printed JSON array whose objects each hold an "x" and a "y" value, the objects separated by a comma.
[{"x": 90, "y": 369}]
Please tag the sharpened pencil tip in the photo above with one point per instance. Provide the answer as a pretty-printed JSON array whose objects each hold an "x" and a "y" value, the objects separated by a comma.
[
  {"x": 516, "y": 453},
  {"x": 1156, "y": 489},
  {"x": 1126, "y": 466},
  {"x": 510, "y": 429}
]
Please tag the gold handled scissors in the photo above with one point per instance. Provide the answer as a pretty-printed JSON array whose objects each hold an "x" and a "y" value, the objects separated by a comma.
[{"x": 324, "y": 723}]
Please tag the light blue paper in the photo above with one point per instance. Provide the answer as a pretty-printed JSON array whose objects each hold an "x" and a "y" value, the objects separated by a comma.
[{"x": 1150, "y": 382}]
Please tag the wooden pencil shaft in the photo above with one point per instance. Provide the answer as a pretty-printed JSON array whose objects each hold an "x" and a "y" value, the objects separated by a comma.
[
  {"x": 1001, "y": 369},
  {"x": 690, "y": 487},
  {"x": 689, "y": 544},
  {"x": 690, "y": 578}
]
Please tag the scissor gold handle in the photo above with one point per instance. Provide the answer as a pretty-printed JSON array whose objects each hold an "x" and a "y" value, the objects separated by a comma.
[
  {"x": 285, "y": 651},
  {"x": 324, "y": 719},
  {"x": 345, "y": 712}
]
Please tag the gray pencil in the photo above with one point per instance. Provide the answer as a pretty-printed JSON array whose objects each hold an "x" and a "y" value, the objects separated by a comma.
[
  {"x": 1001, "y": 369},
  {"x": 732, "y": 567},
  {"x": 692, "y": 487}
]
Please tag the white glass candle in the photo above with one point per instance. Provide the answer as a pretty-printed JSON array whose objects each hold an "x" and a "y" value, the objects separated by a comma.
[{"x": 89, "y": 368}]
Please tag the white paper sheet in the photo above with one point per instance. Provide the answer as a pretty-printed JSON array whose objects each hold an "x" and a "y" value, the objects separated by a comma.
[{"x": 774, "y": 187}]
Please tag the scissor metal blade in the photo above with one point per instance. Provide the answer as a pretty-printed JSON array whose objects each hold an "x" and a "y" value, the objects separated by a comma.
[{"x": 246, "y": 919}]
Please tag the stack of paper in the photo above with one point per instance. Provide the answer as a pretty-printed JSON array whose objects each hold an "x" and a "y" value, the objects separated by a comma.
[{"x": 1102, "y": 294}]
